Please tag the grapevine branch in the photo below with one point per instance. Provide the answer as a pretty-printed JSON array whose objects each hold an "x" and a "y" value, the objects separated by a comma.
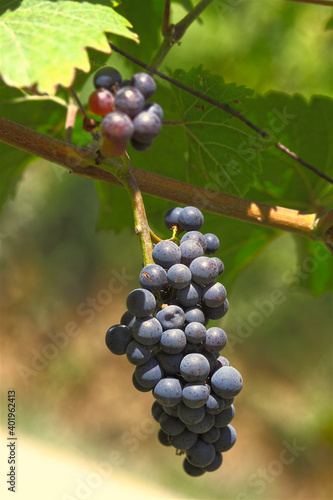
[
  {"x": 226, "y": 108},
  {"x": 166, "y": 17},
  {"x": 85, "y": 162}
]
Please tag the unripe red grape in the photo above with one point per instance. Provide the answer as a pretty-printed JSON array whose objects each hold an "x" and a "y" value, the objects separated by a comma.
[{"x": 101, "y": 102}]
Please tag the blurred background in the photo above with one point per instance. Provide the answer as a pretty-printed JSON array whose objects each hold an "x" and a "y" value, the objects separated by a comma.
[{"x": 84, "y": 431}]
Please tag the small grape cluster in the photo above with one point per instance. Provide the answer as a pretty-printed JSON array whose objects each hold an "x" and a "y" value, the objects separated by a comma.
[
  {"x": 126, "y": 114},
  {"x": 164, "y": 334}
]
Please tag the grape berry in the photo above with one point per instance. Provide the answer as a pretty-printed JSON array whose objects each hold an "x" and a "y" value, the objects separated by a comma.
[
  {"x": 165, "y": 335},
  {"x": 126, "y": 114}
]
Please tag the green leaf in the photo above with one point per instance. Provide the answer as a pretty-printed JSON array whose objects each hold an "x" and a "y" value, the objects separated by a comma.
[
  {"x": 329, "y": 24},
  {"x": 314, "y": 269},
  {"x": 305, "y": 128},
  {"x": 42, "y": 42},
  {"x": 218, "y": 144}
]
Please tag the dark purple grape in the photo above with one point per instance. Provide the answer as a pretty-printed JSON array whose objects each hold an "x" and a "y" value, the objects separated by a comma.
[
  {"x": 153, "y": 278},
  {"x": 214, "y": 404},
  {"x": 217, "y": 312},
  {"x": 204, "y": 425},
  {"x": 129, "y": 100},
  {"x": 194, "y": 368},
  {"x": 157, "y": 411},
  {"x": 216, "y": 463},
  {"x": 117, "y": 339},
  {"x": 189, "y": 415},
  {"x": 213, "y": 243},
  {"x": 127, "y": 319},
  {"x": 166, "y": 254},
  {"x": 171, "y": 217},
  {"x": 145, "y": 83},
  {"x": 147, "y": 126},
  {"x": 117, "y": 127},
  {"x": 196, "y": 395},
  {"x": 155, "y": 108},
  {"x": 141, "y": 302},
  {"x": 228, "y": 403},
  {"x": 214, "y": 295},
  {"x": 226, "y": 382},
  {"x": 168, "y": 391},
  {"x": 171, "y": 317},
  {"x": 191, "y": 219},
  {"x": 219, "y": 264},
  {"x": 195, "y": 314},
  {"x": 170, "y": 363},
  {"x": 204, "y": 270},
  {"x": 225, "y": 417},
  {"x": 138, "y": 386},
  {"x": 216, "y": 339},
  {"x": 126, "y": 83},
  {"x": 171, "y": 425},
  {"x": 212, "y": 360},
  {"x": 147, "y": 330},
  {"x": 190, "y": 295},
  {"x": 201, "y": 454},
  {"x": 190, "y": 250},
  {"x": 164, "y": 438},
  {"x": 192, "y": 470},
  {"x": 106, "y": 77},
  {"x": 195, "y": 236},
  {"x": 137, "y": 354},
  {"x": 192, "y": 348},
  {"x": 195, "y": 332},
  {"x": 140, "y": 146},
  {"x": 149, "y": 374},
  {"x": 222, "y": 361},
  {"x": 226, "y": 440},
  {"x": 211, "y": 436},
  {"x": 173, "y": 341},
  {"x": 179, "y": 276},
  {"x": 185, "y": 440},
  {"x": 171, "y": 410}
]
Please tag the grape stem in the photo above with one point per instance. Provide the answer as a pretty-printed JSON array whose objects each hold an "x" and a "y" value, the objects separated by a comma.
[
  {"x": 173, "y": 33},
  {"x": 83, "y": 111},
  {"x": 166, "y": 17},
  {"x": 87, "y": 163},
  {"x": 72, "y": 110},
  {"x": 154, "y": 237},
  {"x": 142, "y": 228}
]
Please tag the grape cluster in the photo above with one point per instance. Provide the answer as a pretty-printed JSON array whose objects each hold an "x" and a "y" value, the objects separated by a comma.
[
  {"x": 165, "y": 334},
  {"x": 126, "y": 114}
]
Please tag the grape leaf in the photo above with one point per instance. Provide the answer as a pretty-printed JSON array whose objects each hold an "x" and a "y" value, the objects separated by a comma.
[
  {"x": 306, "y": 128},
  {"x": 303, "y": 127},
  {"x": 218, "y": 144},
  {"x": 329, "y": 24},
  {"x": 42, "y": 42}
]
